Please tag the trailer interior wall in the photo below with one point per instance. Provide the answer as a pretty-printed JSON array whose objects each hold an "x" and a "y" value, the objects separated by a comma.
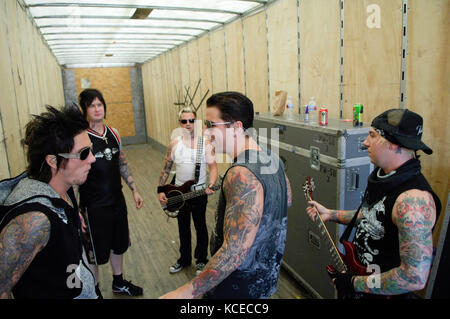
[
  {"x": 30, "y": 78},
  {"x": 122, "y": 89},
  {"x": 260, "y": 54}
]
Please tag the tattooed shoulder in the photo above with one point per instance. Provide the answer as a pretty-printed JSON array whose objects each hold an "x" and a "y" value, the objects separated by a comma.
[
  {"x": 414, "y": 208},
  {"x": 244, "y": 194},
  {"x": 20, "y": 241}
]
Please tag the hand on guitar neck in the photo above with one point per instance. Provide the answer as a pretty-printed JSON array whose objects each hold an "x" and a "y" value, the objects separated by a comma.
[{"x": 315, "y": 208}]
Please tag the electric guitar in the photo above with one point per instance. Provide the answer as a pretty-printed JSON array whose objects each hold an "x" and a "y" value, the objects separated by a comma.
[
  {"x": 340, "y": 262},
  {"x": 178, "y": 195}
]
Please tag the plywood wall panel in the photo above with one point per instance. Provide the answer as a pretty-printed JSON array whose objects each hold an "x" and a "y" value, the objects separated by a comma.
[
  {"x": 255, "y": 47},
  {"x": 283, "y": 49},
  {"x": 205, "y": 69},
  {"x": 17, "y": 66},
  {"x": 372, "y": 57},
  {"x": 194, "y": 72},
  {"x": 219, "y": 76},
  {"x": 427, "y": 85},
  {"x": 235, "y": 57},
  {"x": 320, "y": 52},
  {"x": 114, "y": 83},
  {"x": 8, "y": 102}
]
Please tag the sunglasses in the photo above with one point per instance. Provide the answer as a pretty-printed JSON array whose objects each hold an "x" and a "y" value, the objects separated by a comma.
[
  {"x": 82, "y": 154},
  {"x": 210, "y": 124},
  {"x": 185, "y": 121}
]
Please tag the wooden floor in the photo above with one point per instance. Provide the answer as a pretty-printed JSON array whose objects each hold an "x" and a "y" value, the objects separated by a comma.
[{"x": 154, "y": 236}]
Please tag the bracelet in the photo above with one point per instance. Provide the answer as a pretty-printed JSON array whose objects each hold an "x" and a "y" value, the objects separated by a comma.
[{"x": 160, "y": 189}]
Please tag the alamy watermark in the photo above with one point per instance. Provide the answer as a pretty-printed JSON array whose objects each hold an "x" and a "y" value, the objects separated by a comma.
[
  {"x": 374, "y": 18},
  {"x": 221, "y": 142}
]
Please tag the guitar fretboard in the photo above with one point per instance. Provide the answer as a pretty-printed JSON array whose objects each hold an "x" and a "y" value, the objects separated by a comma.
[
  {"x": 197, "y": 193},
  {"x": 332, "y": 249}
]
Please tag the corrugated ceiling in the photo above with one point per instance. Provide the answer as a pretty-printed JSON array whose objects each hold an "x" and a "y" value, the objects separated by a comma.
[{"x": 96, "y": 33}]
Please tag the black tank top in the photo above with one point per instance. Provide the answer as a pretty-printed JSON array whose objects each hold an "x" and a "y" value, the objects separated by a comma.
[
  {"x": 103, "y": 185},
  {"x": 51, "y": 274},
  {"x": 376, "y": 237},
  {"x": 257, "y": 276}
]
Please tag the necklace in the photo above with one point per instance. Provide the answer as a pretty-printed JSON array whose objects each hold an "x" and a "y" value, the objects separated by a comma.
[{"x": 385, "y": 176}]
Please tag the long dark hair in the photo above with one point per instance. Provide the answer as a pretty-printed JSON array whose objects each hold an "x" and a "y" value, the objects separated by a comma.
[
  {"x": 87, "y": 96},
  {"x": 51, "y": 132}
]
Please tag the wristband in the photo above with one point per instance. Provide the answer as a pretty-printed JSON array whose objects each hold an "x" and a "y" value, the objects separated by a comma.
[
  {"x": 344, "y": 284},
  {"x": 160, "y": 189}
]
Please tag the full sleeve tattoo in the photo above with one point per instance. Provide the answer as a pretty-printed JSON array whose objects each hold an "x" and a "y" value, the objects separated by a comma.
[
  {"x": 414, "y": 214},
  {"x": 168, "y": 163},
  {"x": 20, "y": 241},
  {"x": 244, "y": 205}
]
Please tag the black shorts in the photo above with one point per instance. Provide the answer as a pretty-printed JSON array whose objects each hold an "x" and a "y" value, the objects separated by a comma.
[{"x": 109, "y": 229}]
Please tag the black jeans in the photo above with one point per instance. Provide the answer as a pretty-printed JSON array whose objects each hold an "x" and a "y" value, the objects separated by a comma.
[{"x": 196, "y": 207}]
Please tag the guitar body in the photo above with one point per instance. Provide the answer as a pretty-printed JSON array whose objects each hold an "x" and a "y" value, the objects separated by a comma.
[
  {"x": 351, "y": 261},
  {"x": 171, "y": 191}
]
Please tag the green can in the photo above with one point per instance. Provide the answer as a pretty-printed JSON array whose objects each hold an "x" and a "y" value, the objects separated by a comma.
[{"x": 357, "y": 114}]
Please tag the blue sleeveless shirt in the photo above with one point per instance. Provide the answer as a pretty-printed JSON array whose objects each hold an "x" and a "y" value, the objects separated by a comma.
[{"x": 257, "y": 276}]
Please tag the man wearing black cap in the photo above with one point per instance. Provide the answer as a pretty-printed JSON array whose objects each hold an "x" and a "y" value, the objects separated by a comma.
[{"x": 395, "y": 220}]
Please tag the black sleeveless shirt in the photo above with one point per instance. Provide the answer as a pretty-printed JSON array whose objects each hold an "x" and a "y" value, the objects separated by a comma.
[
  {"x": 257, "y": 276},
  {"x": 103, "y": 185},
  {"x": 59, "y": 270},
  {"x": 376, "y": 237}
]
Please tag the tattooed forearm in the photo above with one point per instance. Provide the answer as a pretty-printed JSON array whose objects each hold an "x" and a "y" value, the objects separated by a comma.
[
  {"x": 414, "y": 214},
  {"x": 168, "y": 162},
  {"x": 244, "y": 205},
  {"x": 289, "y": 191},
  {"x": 125, "y": 171},
  {"x": 20, "y": 241},
  {"x": 342, "y": 216}
]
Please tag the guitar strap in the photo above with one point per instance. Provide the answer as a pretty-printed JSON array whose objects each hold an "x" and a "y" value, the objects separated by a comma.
[
  {"x": 198, "y": 160},
  {"x": 346, "y": 234}
]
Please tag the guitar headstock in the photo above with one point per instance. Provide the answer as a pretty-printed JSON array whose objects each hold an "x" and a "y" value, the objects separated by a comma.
[{"x": 308, "y": 188}]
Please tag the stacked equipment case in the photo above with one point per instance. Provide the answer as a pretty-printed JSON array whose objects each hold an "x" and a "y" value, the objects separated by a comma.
[{"x": 335, "y": 158}]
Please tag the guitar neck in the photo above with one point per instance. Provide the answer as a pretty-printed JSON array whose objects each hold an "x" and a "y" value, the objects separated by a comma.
[
  {"x": 333, "y": 250},
  {"x": 199, "y": 192}
]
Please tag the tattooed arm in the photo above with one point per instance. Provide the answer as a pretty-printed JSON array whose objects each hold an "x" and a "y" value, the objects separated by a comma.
[
  {"x": 125, "y": 172},
  {"x": 244, "y": 205},
  {"x": 20, "y": 241},
  {"x": 414, "y": 213},
  {"x": 212, "y": 165},
  {"x": 165, "y": 172},
  {"x": 337, "y": 216},
  {"x": 289, "y": 191}
]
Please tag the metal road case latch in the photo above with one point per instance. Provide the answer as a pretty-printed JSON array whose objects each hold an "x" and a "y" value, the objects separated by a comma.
[{"x": 315, "y": 157}]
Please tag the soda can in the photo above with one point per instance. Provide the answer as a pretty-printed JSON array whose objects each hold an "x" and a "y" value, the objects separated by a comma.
[
  {"x": 357, "y": 114},
  {"x": 323, "y": 116}
]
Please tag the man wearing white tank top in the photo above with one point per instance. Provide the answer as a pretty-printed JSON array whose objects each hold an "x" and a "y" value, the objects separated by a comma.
[{"x": 183, "y": 152}]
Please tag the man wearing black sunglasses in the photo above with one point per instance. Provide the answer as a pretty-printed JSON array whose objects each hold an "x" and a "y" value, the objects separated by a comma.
[
  {"x": 251, "y": 217},
  {"x": 183, "y": 151},
  {"x": 41, "y": 255}
]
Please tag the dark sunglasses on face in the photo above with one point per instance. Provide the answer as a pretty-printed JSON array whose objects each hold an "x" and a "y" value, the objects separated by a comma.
[
  {"x": 210, "y": 124},
  {"x": 185, "y": 121},
  {"x": 82, "y": 154}
]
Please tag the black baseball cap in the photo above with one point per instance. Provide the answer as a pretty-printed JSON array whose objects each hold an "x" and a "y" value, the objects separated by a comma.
[{"x": 402, "y": 127}]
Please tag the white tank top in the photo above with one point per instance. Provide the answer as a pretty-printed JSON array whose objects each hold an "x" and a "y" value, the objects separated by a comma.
[{"x": 184, "y": 158}]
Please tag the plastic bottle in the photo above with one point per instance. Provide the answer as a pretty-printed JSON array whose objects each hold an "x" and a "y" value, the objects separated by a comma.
[
  {"x": 289, "y": 108},
  {"x": 312, "y": 109},
  {"x": 306, "y": 117}
]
